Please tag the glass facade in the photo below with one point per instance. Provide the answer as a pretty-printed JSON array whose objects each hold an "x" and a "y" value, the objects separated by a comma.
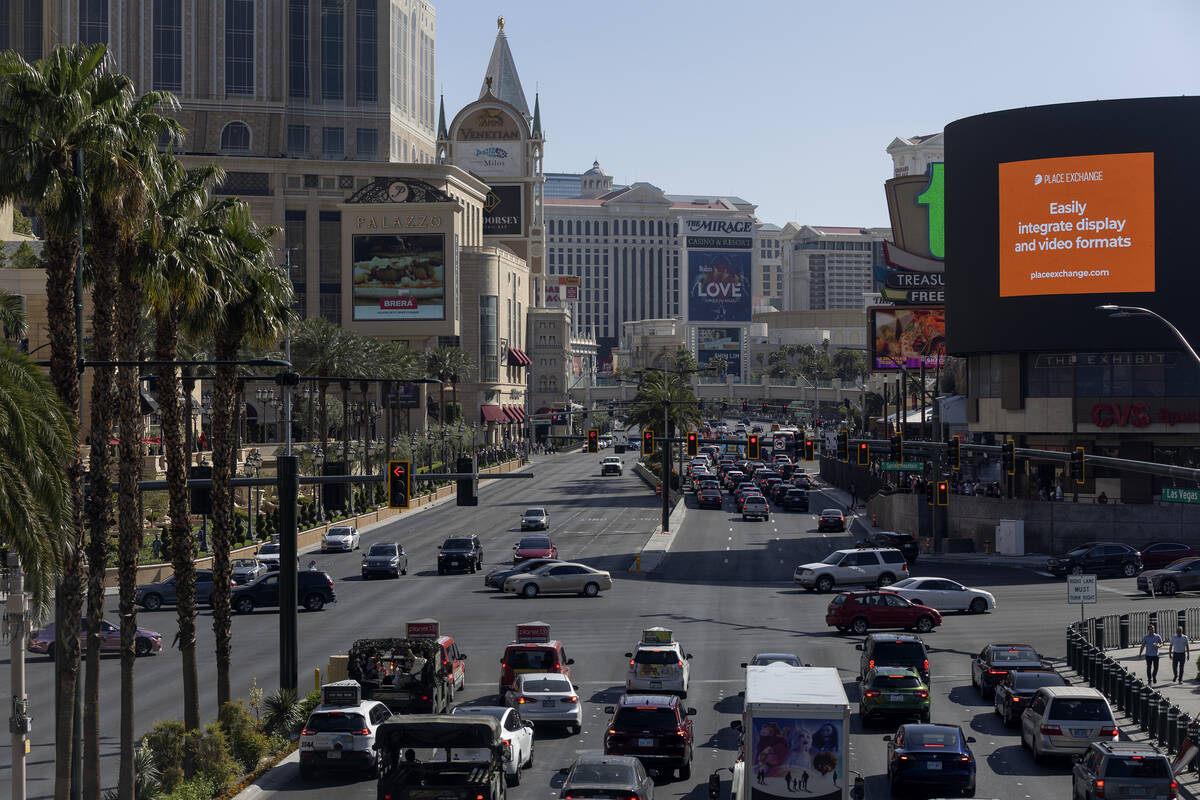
[
  {"x": 239, "y": 47},
  {"x": 93, "y": 21},
  {"x": 333, "y": 49},
  {"x": 333, "y": 143},
  {"x": 366, "y": 144},
  {"x": 298, "y": 76},
  {"x": 295, "y": 231},
  {"x": 366, "y": 56},
  {"x": 33, "y": 30},
  {"x": 489, "y": 338},
  {"x": 298, "y": 144},
  {"x": 329, "y": 231},
  {"x": 168, "y": 46}
]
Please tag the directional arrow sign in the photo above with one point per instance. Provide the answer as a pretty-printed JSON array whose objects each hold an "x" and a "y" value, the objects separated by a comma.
[{"x": 399, "y": 484}]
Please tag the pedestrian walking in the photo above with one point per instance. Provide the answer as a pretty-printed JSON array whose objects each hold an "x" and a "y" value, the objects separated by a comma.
[
  {"x": 788, "y": 780},
  {"x": 1180, "y": 650},
  {"x": 1150, "y": 644},
  {"x": 804, "y": 781},
  {"x": 156, "y": 547}
]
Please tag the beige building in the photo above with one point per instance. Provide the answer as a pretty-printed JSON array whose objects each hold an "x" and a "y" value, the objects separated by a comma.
[{"x": 651, "y": 343}]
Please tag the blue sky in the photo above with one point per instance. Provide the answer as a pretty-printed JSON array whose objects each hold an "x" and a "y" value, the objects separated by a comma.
[{"x": 792, "y": 104}]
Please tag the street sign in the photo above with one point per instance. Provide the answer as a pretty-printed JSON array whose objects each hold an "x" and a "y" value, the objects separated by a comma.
[
  {"x": 902, "y": 466},
  {"x": 1172, "y": 494},
  {"x": 1081, "y": 589}
]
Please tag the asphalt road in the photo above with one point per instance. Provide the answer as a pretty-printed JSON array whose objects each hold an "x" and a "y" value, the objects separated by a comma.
[{"x": 725, "y": 589}]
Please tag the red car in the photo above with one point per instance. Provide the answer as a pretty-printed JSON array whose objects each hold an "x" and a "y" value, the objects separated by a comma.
[
  {"x": 1159, "y": 554},
  {"x": 534, "y": 547},
  {"x": 710, "y": 498},
  {"x": 862, "y": 611},
  {"x": 831, "y": 519}
]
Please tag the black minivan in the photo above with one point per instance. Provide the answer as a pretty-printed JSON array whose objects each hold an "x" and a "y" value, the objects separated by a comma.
[{"x": 314, "y": 590}]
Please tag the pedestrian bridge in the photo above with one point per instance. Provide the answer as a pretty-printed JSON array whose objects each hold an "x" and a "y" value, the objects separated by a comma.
[{"x": 800, "y": 393}]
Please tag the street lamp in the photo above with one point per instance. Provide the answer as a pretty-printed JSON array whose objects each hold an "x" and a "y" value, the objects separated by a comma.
[{"x": 1120, "y": 312}]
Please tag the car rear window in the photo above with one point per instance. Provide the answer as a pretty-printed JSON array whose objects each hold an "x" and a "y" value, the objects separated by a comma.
[
  {"x": 540, "y": 660},
  {"x": 1137, "y": 767},
  {"x": 547, "y": 685},
  {"x": 898, "y": 653},
  {"x": 932, "y": 737},
  {"x": 896, "y": 682},
  {"x": 1001, "y": 655},
  {"x": 656, "y": 657},
  {"x": 1080, "y": 709},
  {"x": 646, "y": 718},
  {"x": 1028, "y": 681},
  {"x": 592, "y": 774},
  {"x": 893, "y": 557},
  {"x": 336, "y": 722}
]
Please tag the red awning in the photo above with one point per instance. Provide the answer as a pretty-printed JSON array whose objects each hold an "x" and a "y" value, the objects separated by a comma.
[
  {"x": 493, "y": 414},
  {"x": 520, "y": 413},
  {"x": 517, "y": 358},
  {"x": 508, "y": 412}
]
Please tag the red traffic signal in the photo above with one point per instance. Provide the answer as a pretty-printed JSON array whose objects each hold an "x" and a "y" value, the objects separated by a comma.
[
  {"x": 648, "y": 443},
  {"x": 693, "y": 444},
  {"x": 943, "y": 493},
  {"x": 752, "y": 446},
  {"x": 399, "y": 484},
  {"x": 593, "y": 440},
  {"x": 864, "y": 454}
]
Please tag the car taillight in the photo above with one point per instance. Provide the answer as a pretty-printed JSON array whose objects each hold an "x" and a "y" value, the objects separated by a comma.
[
  {"x": 612, "y": 730},
  {"x": 1098, "y": 787},
  {"x": 965, "y": 758},
  {"x": 307, "y": 732},
  {"x": 871, "y": 693},
  {"x": 922, "y": 694},
  {"x": 331, "y": 583},
  {"x": 997, "y": 672},
  {"x": 871, "y": 664},
  {"x": 925, "y": 665},
  {"x": 503, "y": 665},
  {"x": 1016, "y": 699},
  {"x": 571, "y": 699},
  {"x": 904, "y": 758},
  {"x": 1109, "y": 731},
  {"x": 1052, "y": 730},
  {"x": 365, "y": 732},
  {"x": 632, "y": 662},
  {"x": 680, "y": 662},
  {"x": 1174, "y": 790},
  {"x": 522, "y": 700}
]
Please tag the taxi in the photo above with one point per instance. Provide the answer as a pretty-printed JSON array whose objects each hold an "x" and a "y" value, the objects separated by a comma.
[
  {"x": 658, "y": 664},
  {"x": 532, "y": 651},
  {"x": 340, "y": 732}
]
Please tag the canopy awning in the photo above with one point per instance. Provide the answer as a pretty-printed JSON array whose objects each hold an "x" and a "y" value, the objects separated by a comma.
[
  {"x": 520, "y": 412},
  {"x": 493, "y": 414},
  {"x": 517, "y": 358}
]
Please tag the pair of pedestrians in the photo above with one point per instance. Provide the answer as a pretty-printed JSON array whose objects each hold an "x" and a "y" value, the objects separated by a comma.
[{"x": 1179, "y": 649}]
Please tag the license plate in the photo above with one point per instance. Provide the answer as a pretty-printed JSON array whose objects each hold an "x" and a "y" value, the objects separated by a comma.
[
  {"x": 895, "y": 698},
  {"x": 655, "y": 684},
  {"x": 334, "y": 754},
  {"x": 933, "y": 764},
  {"x": 645, "y": 743},
  {"x": 547, "y": 704},
  {"x": 1081, "y": 733}
]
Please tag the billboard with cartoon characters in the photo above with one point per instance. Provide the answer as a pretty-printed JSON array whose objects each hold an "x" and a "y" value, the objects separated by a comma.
[{"x": 792, "y": 758}]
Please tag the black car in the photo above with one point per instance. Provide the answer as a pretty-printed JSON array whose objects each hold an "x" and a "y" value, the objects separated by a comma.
[
  {"x": 496, "y": 578},
  {"x": 906, "y": 543},
  {"x": 654, "y": 728},
  {"x": 595, "y": 775},
  {"x": 1097, "y": 558},
  {"x": 460, "y": 553},
  {"x": 931, "y": 758},
  {"x": 314, "y": 590},
  {"x": 154, "y": 596},
  {"x": 710, "y": 498},
  {"x": 994, "y": 662},
  {"x": 780, "y": 490},
  {"x": 794, "y": 500},
  {"x": 1012, "y": 695},
  {"x": 385, "y": 558},
  {"x": 894, "y": 650}
]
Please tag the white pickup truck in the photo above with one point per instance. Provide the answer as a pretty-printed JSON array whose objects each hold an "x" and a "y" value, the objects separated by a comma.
[{"x": 611, "y": 465}]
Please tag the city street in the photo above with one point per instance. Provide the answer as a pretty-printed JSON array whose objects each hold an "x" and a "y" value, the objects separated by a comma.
[{"x": 725, "y": 589}]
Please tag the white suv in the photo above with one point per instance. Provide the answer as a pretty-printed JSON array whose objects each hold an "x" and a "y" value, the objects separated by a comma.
[
  {"x": 611, "y": 465},
  {"x": 341, "y": 737},
  {"x": 863, "y": 566}
]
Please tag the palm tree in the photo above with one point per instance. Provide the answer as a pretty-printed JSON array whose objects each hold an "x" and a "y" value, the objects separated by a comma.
[
  {"x": 719, "y": 365},
  {"x": 12, "y": 316},
  {"x": 255, "y": 312},
  {"x": 659, "y": 387},
  {"x": 438, "y": 364},
  {"x": 459, "y": 366},
  {"x": 184, "y": 237},
  {"x": 50, "y": 113}
]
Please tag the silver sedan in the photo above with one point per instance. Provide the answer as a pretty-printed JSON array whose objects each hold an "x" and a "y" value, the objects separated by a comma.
[{"x": 944, "y": 595}]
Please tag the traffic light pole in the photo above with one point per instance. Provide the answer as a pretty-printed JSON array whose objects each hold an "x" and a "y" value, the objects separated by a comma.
[{"x": 288, "y": 471}]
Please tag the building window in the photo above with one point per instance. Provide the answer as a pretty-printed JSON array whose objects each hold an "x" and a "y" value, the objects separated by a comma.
[
  {"x": 333, "y": 34},
  {"x": 168, "y": 46},
  {"x": 235, "y": 138},
  {"x": 331, "y": 307},
  {"x": 93, "y": 21},
  {"x": 239, "y": 47},
  {"x": 329, "y": 232},
  {"x": 298, "y": 141},
  {"x": 367, "y": 144},
  {"x": 33, "y": 29},
  {"x": 333, "y": 143},
  {"x": 366, "y": 53},
  {"x": 489, "y": 345},
  {"x": 298, "y": 48}
]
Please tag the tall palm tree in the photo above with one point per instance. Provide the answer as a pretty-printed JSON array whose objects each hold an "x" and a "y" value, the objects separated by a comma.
[
  {"x": 255, "y": 312},
  {"x": 50, "y": 113},
  {"x": 657, "y": 388},
  {"x": 438, "y": 365},
  {"x": 185, "y": 236},
  {"x": 459, "y": 366}
]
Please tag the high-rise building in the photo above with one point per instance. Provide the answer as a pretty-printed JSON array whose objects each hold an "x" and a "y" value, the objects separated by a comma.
[
  {"x": 768, "y": 282},
  {"x": 330, "y": 79},
  {"x": 914, "y": 154},
  {"x": 833, "y": 268}
]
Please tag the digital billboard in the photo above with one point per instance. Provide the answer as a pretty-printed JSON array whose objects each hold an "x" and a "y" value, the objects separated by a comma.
[
  {"x": 792, "y": 757},
  {"x": 502, "y": 211},
  {"x": 718, "y": 285},
  {"x": 726, "y": 343},
  {"x": 399, "y": 277},
  {"x": 1054, "y": 210},
  {"x": 906, "y": 337}
]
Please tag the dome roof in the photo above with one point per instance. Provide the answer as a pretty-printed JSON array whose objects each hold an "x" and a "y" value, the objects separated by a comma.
[{"x": 596, "y": 170}]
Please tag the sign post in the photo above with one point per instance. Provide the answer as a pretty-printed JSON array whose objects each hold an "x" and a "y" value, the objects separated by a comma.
[{"x": 1081, "y": 591}]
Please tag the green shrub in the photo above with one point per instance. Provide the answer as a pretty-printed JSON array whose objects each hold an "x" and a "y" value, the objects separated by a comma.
[
  {"x": 209, "y": 757},
  {"x": 281, "y": 712},
  {"x": 170, "y": 778},
  {"x": 166, "y": 744},
  {"x": 246, "y": 743},
  {"x": 181, "y": 755},
  {"x": 194, "y": 789}
]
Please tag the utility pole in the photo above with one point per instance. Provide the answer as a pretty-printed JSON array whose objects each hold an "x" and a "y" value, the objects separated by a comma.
[{"x": 16, "y": 621}]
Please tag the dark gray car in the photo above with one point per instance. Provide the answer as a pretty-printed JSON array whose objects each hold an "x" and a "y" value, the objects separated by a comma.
[
  {"x": 154, "y": 596},
  {"x": 598, "y": 775},
  {"x": 496, "y": 578},
  {"x": 1122, "y": 769},
  {"x": 385, "y": 558}
]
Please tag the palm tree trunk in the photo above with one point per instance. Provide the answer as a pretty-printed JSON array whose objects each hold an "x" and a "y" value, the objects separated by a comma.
[
  {"x": 183, "y": 548},
  {"x": 59, "y": 254},
  {"x": 346, "y": 467},
  {"x": 129, "y": 523},
  {"x": 99, "y": 500},
  {"x": 223, "y": 463},
  {"x": 323, "y": 421},
  {"x": 189, "y": 386}
]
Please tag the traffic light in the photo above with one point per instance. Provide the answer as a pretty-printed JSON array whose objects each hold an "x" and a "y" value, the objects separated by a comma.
[
  {"x": 843, "y": 446},
  {"x": 785, "y": 405},
  {"x": 752, "y": 446},
  {"x": 593, "y": 442},
  {"x": 399, "y": 484},
  {"x": 693, "y": 444},
  {"x": 1078, "y": 466},
  {"x": 943, "y": 493},
  {"x": 745, "y": 406},
  {"x": 864, "y": 454},
  {"x": 764, "y": 408},
  {"x": 929, "y": 493},
  {"x": 465, "y": 493},
  {"x": 809, "y": 450},
  {"x": 954, "y": 452},
  {"x": 896, "y": 448},
  {"x": 648, "y": 442},
  {"x": 1009, "y": 457}
]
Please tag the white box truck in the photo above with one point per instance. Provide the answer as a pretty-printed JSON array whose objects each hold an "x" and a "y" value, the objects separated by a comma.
[{"x": 795, "y": 723}]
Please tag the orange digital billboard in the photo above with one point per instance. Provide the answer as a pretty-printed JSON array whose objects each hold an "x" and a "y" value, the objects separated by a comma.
[{"x": 1077, "y": 225}]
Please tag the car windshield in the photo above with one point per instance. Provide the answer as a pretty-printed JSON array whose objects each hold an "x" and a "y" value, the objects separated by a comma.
[
  {"x": 656, "y": 657},
  {"x": 339, "y": 532},
  {"x": 1080, "y": 709},
  {"x": 534, "y": 543},
  {"x": 1137, "y": 767},
  {"x": 1028, "y": 681},
  {"x": 535, "y": 660},
  {"x": 1001, "y": 655},
  {"x": 1080, "y": 551},
  {"x": 242, "y": 562},
  {"x": 383, "y": 550},
  {"x": 535, "y": 512},
  {"x": 833, "y": 558},
  {"x": 901, "y": 652},
  {"x": 335, "y": 722},
  {"x": 896, "y": 682},
  {"x": 456, "y": 544},
  {"x": 646, "y": 718},
  {"x": 931, "y": 737},
  {"x": 1181, "y": 564},
  {"x": 592, "y": 774},
  {"x": 269, "y": 549},
  {"x": 547, "y": 685}
]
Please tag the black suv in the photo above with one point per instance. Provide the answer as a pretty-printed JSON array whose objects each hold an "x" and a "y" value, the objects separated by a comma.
[
  {"x": 894, "y": 650},
  {"x": 906, "y": 543},
  {"x": 654, "y": 728},
  {"x": 314, "y": 590},
  {"x": 460, "y": 552},
  {"x": 794, "y": 500},
  {"x": 1097, "y": 557}
]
